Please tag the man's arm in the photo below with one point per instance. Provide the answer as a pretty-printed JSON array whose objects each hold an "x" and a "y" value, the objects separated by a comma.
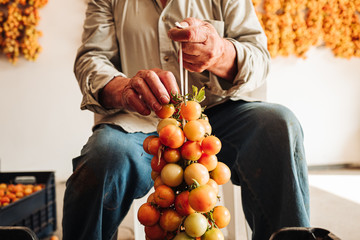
[
  {"x": 98, "y": 69},
  {"x": 243, "y": 59}
]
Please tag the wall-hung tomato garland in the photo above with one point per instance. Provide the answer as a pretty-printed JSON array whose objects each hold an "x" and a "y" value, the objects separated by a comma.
[
  {"x": 293, "y": 26},
  {"x": 18, "y": 33}
]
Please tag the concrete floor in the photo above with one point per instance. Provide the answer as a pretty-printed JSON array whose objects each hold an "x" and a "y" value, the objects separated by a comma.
[{"x": 334, "y": 198}]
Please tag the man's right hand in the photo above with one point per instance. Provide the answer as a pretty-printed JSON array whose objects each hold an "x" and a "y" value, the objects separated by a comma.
[{"x": 146, "y": 91}]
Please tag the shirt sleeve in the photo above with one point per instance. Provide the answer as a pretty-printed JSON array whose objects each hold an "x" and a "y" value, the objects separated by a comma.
[
  {"x": 242, "y": 28},
  {"x": 97, "y": 60}
]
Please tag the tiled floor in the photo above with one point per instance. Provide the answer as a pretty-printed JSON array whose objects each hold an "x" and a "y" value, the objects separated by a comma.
[{"x": 334, "y": 197}]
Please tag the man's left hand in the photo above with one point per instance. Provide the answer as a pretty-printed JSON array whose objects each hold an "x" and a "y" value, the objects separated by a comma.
[{"x": 202, "y": 45}]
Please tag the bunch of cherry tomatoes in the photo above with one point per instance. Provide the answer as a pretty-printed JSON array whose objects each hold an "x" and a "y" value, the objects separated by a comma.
[{"x": 186, "y": 174}]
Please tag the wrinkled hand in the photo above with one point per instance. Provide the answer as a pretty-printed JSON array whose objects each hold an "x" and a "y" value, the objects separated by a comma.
[
  {"x": 146, "y": 91},
  {"x": 201, "y": 44}
]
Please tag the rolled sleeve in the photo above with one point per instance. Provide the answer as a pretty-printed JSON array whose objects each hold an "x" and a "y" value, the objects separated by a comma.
[
  {"x": 244, "y": 31},
  {"x": 97, "y": 60}
]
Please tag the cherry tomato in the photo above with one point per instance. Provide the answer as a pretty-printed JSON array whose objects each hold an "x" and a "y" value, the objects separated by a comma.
[
  {"x": 154, "y": 145},
  {"x": 209, "y": 161},
  {"x": 191, "y": 150},
  {"x": 194, "y": 130},
  {"x": 203, "y": 198},
  {"x": 172, "y": 174},
  {"x": 211, "y": 145},
  {"x": 221, "y": 174},
  {"x": 190, "y": 110},
  {"x": 146, "y": 143},
  {"x": 183, "y": 236},
  {"x": 148, "y": 215},
  {"x": 154, "y": 175},
  {"x": 172, "y": 155},
  {"x": 214, "y": 185},
  {"x": 198, "y": 172},
  {"x": 182, "y": 205},
  {"x": 221, "y": 216},
  {"x": 195, "y": 225},
  {"x": 167, "y": 121},
  {"x": 213, "y": 234},
  {"x": 150, "y": 198},
  {"x": 166, "y": 111},
  {"x": 164, "y": 196},
  {"x": 157, "y": 164},
  {"x": 172, "y": 136},
  {"x": 170, "y": 220},
  {"x": 158, "y": 182},
  {"x": 207, "y": 126},
  {"x": 155, "y": 232}
]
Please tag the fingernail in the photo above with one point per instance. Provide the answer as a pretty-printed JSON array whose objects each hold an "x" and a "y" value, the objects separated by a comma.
[{"x": 164, "y": 99}]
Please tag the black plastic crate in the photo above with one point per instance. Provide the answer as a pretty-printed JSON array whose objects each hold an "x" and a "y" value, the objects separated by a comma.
[{"x": 36, "y": 211}]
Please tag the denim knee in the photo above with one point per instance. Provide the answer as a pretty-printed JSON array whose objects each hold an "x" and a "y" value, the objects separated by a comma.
[{"x": 114, "y": 155}]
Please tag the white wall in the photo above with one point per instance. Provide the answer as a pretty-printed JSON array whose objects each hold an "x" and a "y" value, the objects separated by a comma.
[
  {"x": 42, "y": 127},
  {"x": 324, "y": 93}
]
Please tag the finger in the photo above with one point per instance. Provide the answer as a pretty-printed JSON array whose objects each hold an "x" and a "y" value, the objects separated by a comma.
[
  {"x": 195, "y": 67},
  {"x": 142, "y": 88},
  {"x": 132, "y": 101},
  {"x": 189, "y": 34},
  {"x": 195, "y": 49},
  {"x": 169, "y": 81}
]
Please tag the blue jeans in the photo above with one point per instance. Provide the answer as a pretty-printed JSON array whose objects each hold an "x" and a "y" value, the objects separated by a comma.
[{"x": 262, "y": 143}]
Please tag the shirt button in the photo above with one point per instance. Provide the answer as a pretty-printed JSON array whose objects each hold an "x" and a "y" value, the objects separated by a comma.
[
  {"x": 166, "y": 58},
  {"x": 164, "y": 18}
]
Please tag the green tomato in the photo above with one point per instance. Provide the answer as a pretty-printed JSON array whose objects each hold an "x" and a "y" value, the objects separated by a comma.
[
  {"x": 213, "y": 234},
  {"x": 195, "y": 225},
  {"x": 183, "y": 236}
]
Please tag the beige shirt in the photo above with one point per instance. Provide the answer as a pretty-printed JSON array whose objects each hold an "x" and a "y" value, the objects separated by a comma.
[{"x": 122, "y": 37}]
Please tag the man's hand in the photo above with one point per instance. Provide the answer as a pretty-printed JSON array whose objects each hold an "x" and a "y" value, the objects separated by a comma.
[
  {"x": 146, "y": 91},
  {"x": 204, "y": 49}
]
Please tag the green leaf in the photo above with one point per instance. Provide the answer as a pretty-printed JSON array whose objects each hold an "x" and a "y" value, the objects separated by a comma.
[{"x": 200, "y": 96}]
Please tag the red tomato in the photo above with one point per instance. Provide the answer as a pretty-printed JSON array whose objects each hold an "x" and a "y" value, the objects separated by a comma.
[
  {"x": 211, "y": 145},
  {"x": 203, "y": 198},
  {"x": 164, "y": 196},
  {"x": 155, "y": 232},
  {"x": 166, "y": 111},
  {"x": 172, "y": 136},
  {"x": 182, "y": 205},
  {"x": 154, "y": 145},
  {"x": 146, "y": 143},
  {"x": 157, "y": 164},
  {"x": 148, "y": 215},
  {"x": 191, "y": 150},
  {"x": 172, "y": 155},
  {"x": 209, "y": 161},
  {"x": 170, "y": 220},
  {"x": 190, "y": 110}
]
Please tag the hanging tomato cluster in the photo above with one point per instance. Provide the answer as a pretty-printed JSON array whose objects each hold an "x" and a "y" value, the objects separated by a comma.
[
  {"x": 293, "y": 26},
  {"x": 18, "y": 33},
  {"x": 186, "y": 174}
]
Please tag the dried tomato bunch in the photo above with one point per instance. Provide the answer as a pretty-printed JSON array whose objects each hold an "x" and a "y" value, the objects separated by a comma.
[
  {"x": 18, "y": 33},
  {"x": 293, "y": 26}
]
